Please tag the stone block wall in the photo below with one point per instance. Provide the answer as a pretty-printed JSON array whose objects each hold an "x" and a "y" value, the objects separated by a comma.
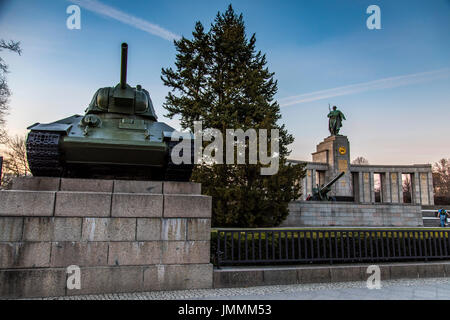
[
  {"x": 325, "y": 214},
  {"x": 126, "y": 236}
]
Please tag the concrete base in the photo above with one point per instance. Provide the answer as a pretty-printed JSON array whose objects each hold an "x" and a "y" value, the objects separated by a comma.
[
  {"x": 335, "y": 151},
  {"x": 51, "y": 282},
  {"x": 125, "y": 236},
  {"x": 345, "y": 214},
  {"x": 236, "y": 277}
]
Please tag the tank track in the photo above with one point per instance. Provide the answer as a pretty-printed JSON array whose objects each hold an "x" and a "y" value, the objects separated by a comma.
[
  {"x": 44, "y": 155},
  {"x": 178, "y": 172}
]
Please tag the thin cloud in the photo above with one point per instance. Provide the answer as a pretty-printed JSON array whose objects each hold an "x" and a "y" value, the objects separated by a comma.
[
  {"x": 384, "y": 83},
  {"x": 138, "y": 23}
]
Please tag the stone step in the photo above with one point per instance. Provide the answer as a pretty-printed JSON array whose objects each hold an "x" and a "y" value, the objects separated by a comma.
[
  {"x": 52, "y": 282},
  {"x": 102, "y": 204},
  {"x": 431, "y": 222},
  {"x": 99, "y": 185},
  {"x": 429, "y": 214}
]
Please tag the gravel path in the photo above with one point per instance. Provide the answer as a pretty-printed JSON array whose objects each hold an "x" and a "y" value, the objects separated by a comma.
[{"x": 431, "y": 288}]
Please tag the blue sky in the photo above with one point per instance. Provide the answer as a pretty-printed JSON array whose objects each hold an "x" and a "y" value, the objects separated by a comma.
[{"x": 392, "y": 84}]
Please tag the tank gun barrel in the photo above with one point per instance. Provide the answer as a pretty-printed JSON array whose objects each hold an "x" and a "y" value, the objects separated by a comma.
[
  {"x": 329, "y": 184},
  {"x": 123, "y": 66}
]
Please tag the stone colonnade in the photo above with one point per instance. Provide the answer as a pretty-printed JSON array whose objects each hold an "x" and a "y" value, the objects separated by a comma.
[
  {"x": 391, "y": 183},
  {"x": 363, "y": 182}
]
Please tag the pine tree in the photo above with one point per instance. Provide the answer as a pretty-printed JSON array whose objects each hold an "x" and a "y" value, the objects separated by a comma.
[{"x": 221, "y": 79}]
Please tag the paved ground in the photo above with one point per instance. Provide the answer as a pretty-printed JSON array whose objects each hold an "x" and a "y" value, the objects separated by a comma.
[{"x": 416, "y": 289}]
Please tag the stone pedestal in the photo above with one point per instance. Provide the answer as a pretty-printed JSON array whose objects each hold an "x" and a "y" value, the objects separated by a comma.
[
  {"x": 342, "y": 214},
  {"x": 125, "y": 236},
  {"x": 335, "y": 151}
]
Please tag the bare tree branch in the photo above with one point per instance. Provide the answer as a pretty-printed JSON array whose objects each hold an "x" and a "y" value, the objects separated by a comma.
[
  {"x": 441, "y": 178},
  {"x": 11, "y": 45},
  {"x": 360, "y": 160},
  {"x": 15, "y": 163},
  {"x": 5, "y": 93}
]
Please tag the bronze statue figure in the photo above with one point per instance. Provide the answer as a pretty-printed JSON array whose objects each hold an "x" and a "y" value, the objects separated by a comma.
[{"x": 335, "y": 121}]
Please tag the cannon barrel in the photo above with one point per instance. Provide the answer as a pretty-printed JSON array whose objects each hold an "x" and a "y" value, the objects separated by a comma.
[
  {"x": 123, "y": 66},
  {"x": 329, "y": 184}
]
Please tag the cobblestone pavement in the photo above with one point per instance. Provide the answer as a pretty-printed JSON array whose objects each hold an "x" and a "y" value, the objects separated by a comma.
[{"x": 416, "y": 289}]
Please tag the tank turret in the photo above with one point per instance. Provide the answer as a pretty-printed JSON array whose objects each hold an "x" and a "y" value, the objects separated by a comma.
[{"x": 123, "y": 98}]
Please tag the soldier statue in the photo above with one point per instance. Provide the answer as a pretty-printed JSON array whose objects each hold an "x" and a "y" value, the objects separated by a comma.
[{"x": 335, "y": 121}]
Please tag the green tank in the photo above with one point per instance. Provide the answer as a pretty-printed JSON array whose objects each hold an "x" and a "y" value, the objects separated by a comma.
[{"x": 118, "y": 137}]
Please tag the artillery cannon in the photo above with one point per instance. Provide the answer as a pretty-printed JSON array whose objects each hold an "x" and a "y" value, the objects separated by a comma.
[
  {"x": 321, "y": 193},
  {"x": 117, "y": 137}
]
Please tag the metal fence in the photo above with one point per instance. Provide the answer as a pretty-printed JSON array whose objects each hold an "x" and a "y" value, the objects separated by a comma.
[{"x": 269, "y": 246}]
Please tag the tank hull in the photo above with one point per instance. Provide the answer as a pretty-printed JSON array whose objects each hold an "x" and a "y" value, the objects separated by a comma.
[
  {"x": 117, "y": 147},
  {"x": 110, "y": 152}
]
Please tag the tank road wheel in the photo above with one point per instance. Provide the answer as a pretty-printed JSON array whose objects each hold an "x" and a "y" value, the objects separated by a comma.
[
  {"x": 43, "y": 153},
  {"x": 178, "y": 172}
]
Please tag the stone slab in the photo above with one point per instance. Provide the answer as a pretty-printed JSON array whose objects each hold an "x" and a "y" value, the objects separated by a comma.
[
  {"x": 137, "y": 205},
  {"x": 148, "y": 229},
  {"x": 342, "y": 274},
  {"x": 185, "y": 252},
  {"x": 108, "y": 229},
  {"x": 83, "y": 204},
  {"x": 86, "y": 185},
  {"x": 198, "y": 229},
  {"x": 35, "y": 183},
  {"x": 404, "y": 271},
  {"x": 311, "y": 213},
  {"x": 11, "y": 228},
  {"x": 134, "y": 253},
  {"x": 28, "y": 283},
  {"x": 173, "y": 229},
  {"x": 67, "y": 229},
  {"x": 431, "y": 271},
  {"x": 277, "y": 277},
  {"x": 130, "y": 186},
  {"x": 24, "y": 255},
  {"x": 65, "y": 254},
  {"x": 178, "y": 277},
  {"x": 51, "y": 229},
  {"x": 38, "y": 228},
  {"x": 187, "y": 206},
  {"x": 233, "y": 279},
  {"x": 173, "y": 187},
  {"x": 314, "y": 275},
  {"x": 26, "y": 203}
]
